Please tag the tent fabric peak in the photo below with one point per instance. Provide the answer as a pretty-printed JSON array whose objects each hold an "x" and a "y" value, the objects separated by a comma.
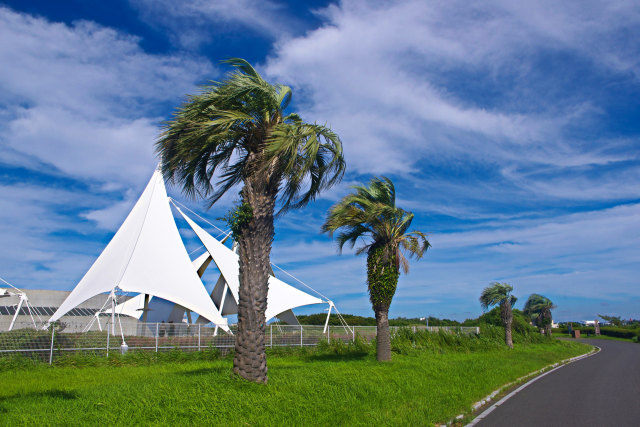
[{"x": 147, "y": 256}]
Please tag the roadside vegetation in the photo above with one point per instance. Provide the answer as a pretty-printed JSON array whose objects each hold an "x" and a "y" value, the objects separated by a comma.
[
  {"x": 613, "y": 332},
  {"x": 432, "y": 378}
]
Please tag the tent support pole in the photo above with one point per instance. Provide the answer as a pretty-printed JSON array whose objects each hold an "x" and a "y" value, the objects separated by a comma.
[
  {"x": 28, "y": 306},
  {"x": 18, "y": 308},
  {"x": 145, "y": 308},
  {"x": 224, "y": 297},
  {"x": 113, "y": 313},
  {"x": 53, "y": 332},
  {"x": 326, "y": 323}
]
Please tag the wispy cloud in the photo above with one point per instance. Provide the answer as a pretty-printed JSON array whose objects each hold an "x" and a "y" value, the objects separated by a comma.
[
  {"x": 509, "y": 128},
  {"x": 84, "y": 98},
  {"x": 80, "y": 103},
  {"x": 193, "y": 22},
  {"x": 410, "y": 85}
]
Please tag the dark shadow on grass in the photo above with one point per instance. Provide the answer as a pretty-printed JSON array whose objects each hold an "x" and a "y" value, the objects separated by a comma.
[
  {"x": 56, "y": 394},
  {"x": 332, "y": 357},
  {"x": 205, "y": 371}
]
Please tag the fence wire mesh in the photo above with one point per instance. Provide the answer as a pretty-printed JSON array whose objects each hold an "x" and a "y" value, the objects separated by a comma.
[{"x": 25, "y": 340}]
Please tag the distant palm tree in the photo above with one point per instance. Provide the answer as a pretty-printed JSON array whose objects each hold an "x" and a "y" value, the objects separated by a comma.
[
  {"x": 500, "y": 294},
  {"x": 237, "y": 132},
  {"x": 538, "y": 308},
  {"x": 370, "y": 212}
]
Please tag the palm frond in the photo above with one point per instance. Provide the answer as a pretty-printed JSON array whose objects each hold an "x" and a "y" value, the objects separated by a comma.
[
  {"x": 240, "y": 115},
  {"x": 495, "y": 294},
  {"x": 370, "y": 211}
]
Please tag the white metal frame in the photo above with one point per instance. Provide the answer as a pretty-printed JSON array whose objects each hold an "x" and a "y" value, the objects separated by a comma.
[{"x": 24, "y": 301}]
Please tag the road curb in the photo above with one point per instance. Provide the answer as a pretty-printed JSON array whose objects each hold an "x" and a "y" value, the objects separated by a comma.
[{"x": 536, "y": 374}]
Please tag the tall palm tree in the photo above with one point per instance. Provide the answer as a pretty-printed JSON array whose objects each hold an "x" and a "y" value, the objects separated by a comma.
[
  {"x": 538, "y": 308},
  {"x": 500, "y": 294},
  {"x": 236, "y": 132},
  {"x": 370, "y": 212}
]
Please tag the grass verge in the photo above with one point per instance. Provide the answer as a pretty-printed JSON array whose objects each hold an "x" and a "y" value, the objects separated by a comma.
[
  {"x": 336, "y": 384},
  {"x": 594, "y": 337}
]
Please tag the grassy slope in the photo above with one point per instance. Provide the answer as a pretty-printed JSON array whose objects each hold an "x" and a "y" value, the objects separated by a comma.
[{"x": 417, "y": 389}]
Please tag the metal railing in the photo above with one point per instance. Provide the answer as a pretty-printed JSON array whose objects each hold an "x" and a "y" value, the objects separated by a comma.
[{"x": 47, "y": 344}]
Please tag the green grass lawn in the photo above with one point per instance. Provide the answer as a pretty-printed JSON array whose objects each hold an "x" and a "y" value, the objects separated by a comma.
[{"x": 316, "y": 388}]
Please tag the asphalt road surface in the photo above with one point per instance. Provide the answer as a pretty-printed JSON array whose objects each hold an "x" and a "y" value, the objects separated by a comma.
[{"x": 601, "y": 390}]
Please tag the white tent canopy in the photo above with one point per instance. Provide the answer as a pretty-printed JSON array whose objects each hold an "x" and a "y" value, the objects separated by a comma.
[
  {"x": 281, "y": 296},
  {"x": 135, "y": 306},
  {"x": 147, "y": 256}
]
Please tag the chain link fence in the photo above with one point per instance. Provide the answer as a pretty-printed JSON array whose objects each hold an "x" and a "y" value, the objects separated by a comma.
[{"x": 47, "y": 344}]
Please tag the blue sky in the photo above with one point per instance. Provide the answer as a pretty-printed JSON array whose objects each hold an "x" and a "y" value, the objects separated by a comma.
[{"x": 511, "y": 130}]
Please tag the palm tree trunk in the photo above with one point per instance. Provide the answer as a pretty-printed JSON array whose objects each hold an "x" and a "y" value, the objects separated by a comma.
[
  {"x": 382, "y": 280},
  {"x": 507, "y": 320},
  {"x": 508, "y": 336},
  {"x": 383, "y": 336},
  {"x": 254, "y": 249},
  {"x": 547, "y": 326}
]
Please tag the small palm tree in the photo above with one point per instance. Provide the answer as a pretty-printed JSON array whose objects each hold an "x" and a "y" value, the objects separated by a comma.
[
  {"x": 500, "y": 294},
  {"x": 236, "y": 132},
  {"x": 370, "y": 212},
  {"x": 538, "y": 308}
]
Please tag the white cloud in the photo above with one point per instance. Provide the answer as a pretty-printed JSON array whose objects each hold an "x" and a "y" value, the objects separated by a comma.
[
  {"x": 410, "y": 84},
  {"x": 591, "y": 255},
  {"x": 33, "y": 221},
  {"x": 85, "y": 98},
  {"x": 79, "y": 104},
  {"x": 193, "y": 22}
]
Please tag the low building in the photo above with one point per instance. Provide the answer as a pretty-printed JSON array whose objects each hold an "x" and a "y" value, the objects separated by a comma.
[{"x": 43, "y": 303}]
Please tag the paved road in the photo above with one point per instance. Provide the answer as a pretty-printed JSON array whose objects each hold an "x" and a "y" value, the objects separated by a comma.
[{"x": 601, "y": 390}]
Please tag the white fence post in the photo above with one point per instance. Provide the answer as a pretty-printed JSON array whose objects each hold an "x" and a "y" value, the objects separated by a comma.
[
  {"x": 300, "y": 335},
  {"x": 199, "y": 336},
  {"x": 328, "y": 333},
  {"x": 353, "y": 332},
  {"x": 53, "y": 331},
  {"x": 108, "y": 334},
  {"x": 157, "y": 327},
  {"x": 271, "y": 335}
]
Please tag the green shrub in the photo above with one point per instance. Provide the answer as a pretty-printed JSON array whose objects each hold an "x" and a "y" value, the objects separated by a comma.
[
  {"x": 618, "y": 332},
  {"x": 406, "y": 341},
  {"x": 610, "y": 331},
  {"x": 584, "y": 330},
  {"x": 520, "y": 320}
]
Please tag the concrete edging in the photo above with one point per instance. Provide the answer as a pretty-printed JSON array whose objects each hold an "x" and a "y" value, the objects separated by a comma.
[{"x": 536, "y": 374}]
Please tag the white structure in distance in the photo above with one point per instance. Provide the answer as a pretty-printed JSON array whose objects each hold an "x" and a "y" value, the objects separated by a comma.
[{"x": 146, "y": 256}]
